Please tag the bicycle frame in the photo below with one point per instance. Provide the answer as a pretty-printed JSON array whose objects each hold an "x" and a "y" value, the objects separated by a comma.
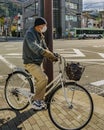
[
  {"x": 54, "y": 83},
  {"x": 58, "y": 80}
]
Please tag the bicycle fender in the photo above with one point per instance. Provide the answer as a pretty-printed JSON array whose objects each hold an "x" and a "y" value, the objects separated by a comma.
[{"x": 17, "y": 69}]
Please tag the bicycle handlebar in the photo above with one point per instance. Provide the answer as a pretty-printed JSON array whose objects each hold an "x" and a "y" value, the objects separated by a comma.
[{"x": 60, "y": 57}]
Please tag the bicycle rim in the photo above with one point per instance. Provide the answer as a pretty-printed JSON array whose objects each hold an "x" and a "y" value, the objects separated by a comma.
[
  {"x": 15, "y": 81},
  {"x": 70, "y": 108}
]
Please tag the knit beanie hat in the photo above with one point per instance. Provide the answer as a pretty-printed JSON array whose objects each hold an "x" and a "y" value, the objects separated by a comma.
[{"x": 40, "y": 21}]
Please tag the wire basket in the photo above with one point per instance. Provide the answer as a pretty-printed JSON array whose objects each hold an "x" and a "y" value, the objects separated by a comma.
[{"x": 74, "y": 70}]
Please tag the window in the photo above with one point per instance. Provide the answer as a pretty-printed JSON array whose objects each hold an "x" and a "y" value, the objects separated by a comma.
[
  {"x": 36, "y": 7},
  {"x": 32, "y": 8},
  {"x": 67, "y": 17},
  {"x": 73, "y": 6},
  {"x": 71, "y": 17}
]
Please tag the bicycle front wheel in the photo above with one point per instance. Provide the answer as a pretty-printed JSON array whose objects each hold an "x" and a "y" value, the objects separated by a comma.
[
  {"x": 71, "y": 107},
  {"x": 16, "y": 81}
]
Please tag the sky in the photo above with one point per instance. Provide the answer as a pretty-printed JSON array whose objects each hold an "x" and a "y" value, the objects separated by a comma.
[
  {"x": 92, "y": 1},
  {"x": 94, "y": 4}
]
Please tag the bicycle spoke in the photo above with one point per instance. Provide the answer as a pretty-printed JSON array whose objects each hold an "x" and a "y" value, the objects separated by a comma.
[
  {"x": 71, "y": 109},
  {"x": 15, "y": 85}
]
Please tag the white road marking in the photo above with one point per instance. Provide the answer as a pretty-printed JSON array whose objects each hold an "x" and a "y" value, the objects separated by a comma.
[
  {"x": 10, "y": 65},
  {"x": 65, "y": 51},
  {"x": 74, "y": 53},
  {"x": 82, "y": 60},
  {"x": 1, "y": 87},
  {"x": 98, "y": 83},
  {"x": 14, "y": 54},
  {"x": 89, "y": 51},
  {"x": 101, "y": 54},
  {"x": 16, "y": 57},
  {"x": 98, "y": 46},
  {"x": 12, "y": 48},
  {"x": 88, "y": 61}
]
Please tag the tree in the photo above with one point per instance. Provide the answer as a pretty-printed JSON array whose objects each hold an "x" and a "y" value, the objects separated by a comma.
[{"x": 2, "y": 21}]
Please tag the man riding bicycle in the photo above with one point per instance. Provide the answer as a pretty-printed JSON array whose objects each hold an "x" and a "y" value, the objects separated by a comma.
[{"x": 34, "y": 51}]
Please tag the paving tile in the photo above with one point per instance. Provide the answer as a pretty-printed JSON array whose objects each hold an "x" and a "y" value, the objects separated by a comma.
[{"x": 28, "y": 119}]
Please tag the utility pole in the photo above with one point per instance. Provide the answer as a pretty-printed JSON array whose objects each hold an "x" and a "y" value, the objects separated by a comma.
[
  {"x": 48, "y": 15},
  {"x": 42, "y": 8}
]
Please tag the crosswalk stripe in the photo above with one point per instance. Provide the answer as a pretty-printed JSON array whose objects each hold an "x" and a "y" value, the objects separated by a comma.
[
  {"x": 101, "y": 54},
  {"x": 14, "y": 54},
  {"x": 98, "y": 83},
  {"x": 74, "y": 53},
  {"x": 1, "y": 87},
  {"x": 10, "y": 65},
  {"x": 82, "y": 60}
]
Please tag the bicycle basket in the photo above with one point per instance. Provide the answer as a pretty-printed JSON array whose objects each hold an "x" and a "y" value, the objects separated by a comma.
[{"x": 74, "y": 71}]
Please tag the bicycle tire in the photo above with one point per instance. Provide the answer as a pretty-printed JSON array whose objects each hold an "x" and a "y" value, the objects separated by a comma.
[
  {"x": 73, "y": 116},
  {"x": 15, "y": 80}
]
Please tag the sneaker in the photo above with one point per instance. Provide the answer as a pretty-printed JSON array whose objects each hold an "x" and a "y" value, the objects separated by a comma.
[{"x": 38, "y": 105}]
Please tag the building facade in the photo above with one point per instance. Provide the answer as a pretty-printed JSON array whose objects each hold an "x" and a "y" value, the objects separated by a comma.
[
  {"x": 66, "y": 15},
  {"x": 92, "y": 19}
]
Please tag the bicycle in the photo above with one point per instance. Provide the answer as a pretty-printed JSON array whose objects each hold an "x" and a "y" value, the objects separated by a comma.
[{"x": 70, "y": 105}]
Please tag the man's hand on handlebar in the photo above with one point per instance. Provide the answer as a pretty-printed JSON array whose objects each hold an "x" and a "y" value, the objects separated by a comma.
[{"x": 51, "y": 56}]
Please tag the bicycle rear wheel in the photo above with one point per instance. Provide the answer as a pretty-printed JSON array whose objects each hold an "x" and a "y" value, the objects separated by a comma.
[
  {"x": 18, "y": 80},
  {"x": 71, "y": 107}
]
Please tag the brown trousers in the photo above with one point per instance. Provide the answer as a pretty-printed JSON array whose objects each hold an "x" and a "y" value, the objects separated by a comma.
[{"x": 41, "y": 80}]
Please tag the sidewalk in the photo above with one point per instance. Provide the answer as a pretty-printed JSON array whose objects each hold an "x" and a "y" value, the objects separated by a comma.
[{"x": 30, "y": 120}]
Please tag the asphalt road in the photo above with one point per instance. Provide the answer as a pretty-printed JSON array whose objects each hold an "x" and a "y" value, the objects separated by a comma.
[{"x": 88, "y": 52}]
